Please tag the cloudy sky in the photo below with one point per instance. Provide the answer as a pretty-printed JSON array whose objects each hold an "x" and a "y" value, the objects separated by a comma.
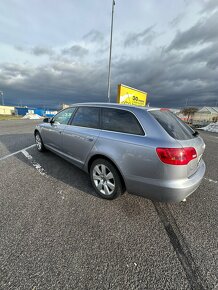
[{"x": 56, "y": 51}]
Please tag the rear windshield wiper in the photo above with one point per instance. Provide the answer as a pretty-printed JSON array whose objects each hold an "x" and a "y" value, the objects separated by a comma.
[{"x": 195, "y": 134}]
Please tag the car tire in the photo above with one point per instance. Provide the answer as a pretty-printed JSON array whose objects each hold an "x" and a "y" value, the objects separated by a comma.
[
  {"x": 39, "y": 143},
  {"x": 106, "y": 179}
]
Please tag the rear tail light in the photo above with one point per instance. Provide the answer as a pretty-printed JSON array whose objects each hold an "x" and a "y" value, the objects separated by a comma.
[{"x": 176, "y": 156}]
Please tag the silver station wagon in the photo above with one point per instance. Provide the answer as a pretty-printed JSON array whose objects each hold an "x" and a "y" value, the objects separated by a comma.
[{"x": 146, "y": 151}]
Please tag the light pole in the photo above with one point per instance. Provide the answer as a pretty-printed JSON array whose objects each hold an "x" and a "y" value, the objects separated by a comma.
[
  {"x": 111, "y": 41},
  {"x": 1, "y": 94}
]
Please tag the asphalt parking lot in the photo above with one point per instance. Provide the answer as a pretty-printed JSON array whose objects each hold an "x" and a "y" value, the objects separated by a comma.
[{"x": 55, "y": 233}]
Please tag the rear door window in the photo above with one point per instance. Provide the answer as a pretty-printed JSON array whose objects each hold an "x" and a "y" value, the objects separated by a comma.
[
  {"x": 87, "y": 117},
  {"x": 175, "y": 127},
  {"x": 120, "y": 121}
]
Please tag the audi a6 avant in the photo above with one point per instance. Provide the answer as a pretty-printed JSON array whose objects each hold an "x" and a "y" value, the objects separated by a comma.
[{"x": 145, "y": 151}]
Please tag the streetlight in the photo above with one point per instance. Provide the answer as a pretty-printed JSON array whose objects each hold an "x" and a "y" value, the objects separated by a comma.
[
  {"x": 1, "y": 94},
  {"x": 111, "y": 41}
]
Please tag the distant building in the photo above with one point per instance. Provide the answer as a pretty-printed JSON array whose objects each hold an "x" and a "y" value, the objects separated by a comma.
[
  {"x": 205, "y": 115},
  {"x": 22, "y": 111},
  {"x": 7, "y": 110}
]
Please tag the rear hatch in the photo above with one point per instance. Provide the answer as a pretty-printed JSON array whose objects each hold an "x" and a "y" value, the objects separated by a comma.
[{"x": 181, "y": 132}]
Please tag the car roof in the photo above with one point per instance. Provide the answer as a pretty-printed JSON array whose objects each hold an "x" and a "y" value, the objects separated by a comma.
[{"x": 113, "y": 105}]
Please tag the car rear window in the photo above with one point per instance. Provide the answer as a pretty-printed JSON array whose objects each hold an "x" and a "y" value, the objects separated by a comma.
[
  {"x": 175, "y": 127},
  {"x": 120, "y": 121}
]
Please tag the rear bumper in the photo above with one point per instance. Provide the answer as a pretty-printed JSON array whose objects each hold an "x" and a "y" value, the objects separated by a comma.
[{"x": 166, "y": 190}]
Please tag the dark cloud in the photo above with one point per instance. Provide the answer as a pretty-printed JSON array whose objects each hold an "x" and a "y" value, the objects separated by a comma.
[
  {"x": 53, "y": 84},
  {"x": 94, "y": 36},
  {"x": 36, "y": 50},
  {"x": 144, "y": 37},
  {"x": 210, "y": 5},
  {"x": 19, "y": 48},
  {"x": 10, "y": 70},
  {"x": 207, "y": 55},
  {"x": 203, "y": 31},
  {"x": 169, "y": 77},
  {"x": 39, "y": 51},
  {"x": 75, "y": 51},
  {"x": 177, "y": 20},
  {"x": 78, "y": 72}
]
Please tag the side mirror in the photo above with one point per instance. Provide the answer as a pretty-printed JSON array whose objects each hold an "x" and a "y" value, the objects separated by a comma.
[{"x": 46, "y": 120}]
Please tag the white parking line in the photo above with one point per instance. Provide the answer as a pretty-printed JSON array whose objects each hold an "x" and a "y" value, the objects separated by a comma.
[
  {"x": 37, "y": 166},
  {"x": 19, "y": 151},
  {"x": 211, "y": 180}
]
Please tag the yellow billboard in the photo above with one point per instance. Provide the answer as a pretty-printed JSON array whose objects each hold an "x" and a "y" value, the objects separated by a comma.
[{"x": 131, "y": 96}]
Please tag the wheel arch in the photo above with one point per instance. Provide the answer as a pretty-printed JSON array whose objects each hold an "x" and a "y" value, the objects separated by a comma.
[
  {"x": 36, "y": 131},
  {"x": 102, "y": 156}
]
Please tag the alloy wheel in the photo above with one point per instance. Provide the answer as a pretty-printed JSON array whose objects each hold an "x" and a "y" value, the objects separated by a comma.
[{"x": 103, "y": 179}]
